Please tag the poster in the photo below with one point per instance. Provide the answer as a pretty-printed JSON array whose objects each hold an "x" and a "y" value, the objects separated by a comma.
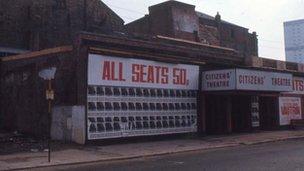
[
  {"x": 290, "y": 108},
  {"x": 131, "y": 97},
  {"x": 255, "y": 116}
]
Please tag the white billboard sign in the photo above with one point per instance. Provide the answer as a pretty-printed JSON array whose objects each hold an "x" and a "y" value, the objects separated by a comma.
[
  {"x": 219, "y": 80},
  {"x": 114, "y": 71},
  {"x": 131, "y": 97},
  {"x": 290, "y": 108},
  {"x": 263, "y": 81},
  {"x": 244, "y": 79}
]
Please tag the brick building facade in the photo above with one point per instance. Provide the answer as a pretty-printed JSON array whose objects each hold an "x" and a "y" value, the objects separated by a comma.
[
  {"x": 29, "y": 25},
  {"x": 172, "y": 36},
  {"x": 179, "y": 20}
]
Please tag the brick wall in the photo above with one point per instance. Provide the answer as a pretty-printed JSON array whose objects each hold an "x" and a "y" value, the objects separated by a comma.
[
  {"x": 14, "y": 23},
  {"x": 160, "y": 20},
  {"x": 179, "y": 20},
  {"x": 39, "y": 24},
  {"x": 24, "y": 91},
  {"x": 141, "y": 26},
  {"x": 171, "y": 18},
  {"x": 209, "y": 35}
]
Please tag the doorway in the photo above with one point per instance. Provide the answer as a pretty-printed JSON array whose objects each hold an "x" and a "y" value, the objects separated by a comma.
[
  {"x": 269, "y": 117},
  {"x": 216, "y": 114},
  {"x": 240, "y": 113}
]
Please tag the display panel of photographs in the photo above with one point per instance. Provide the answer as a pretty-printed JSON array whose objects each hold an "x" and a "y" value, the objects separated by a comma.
[{"x": 114, "y": 112}]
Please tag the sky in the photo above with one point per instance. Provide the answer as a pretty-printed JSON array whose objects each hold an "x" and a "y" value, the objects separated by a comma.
[{"x": 266, "y": 17}]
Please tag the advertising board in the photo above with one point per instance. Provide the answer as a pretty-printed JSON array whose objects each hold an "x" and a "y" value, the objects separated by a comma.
[
  {"x": 109, "y": 71},
  {"x": 219, "y": 80},
  {"x": 244, "y": 79},
  {"x": 263, "y": 80},
  {"x": 290, "y": 108},
  {"x": 132, "y": 97}
]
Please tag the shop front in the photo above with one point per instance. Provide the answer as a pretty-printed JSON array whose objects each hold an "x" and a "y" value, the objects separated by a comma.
[
  {"x": 130, "y": 97},
  {"x": 242, "y": 100}
]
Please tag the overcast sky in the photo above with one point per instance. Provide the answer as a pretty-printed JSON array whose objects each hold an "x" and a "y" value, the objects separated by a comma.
[{"x": 266, "y": 17}]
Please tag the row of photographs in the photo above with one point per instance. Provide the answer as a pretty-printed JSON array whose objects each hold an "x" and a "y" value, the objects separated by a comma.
[
  {"x": 140, "y": 92},
  {"x": 110, "y": 124},
  {"x": 128, "y": 111},
  {"x": 131, "y": 106},
  {"x": 143, "y": 132}
]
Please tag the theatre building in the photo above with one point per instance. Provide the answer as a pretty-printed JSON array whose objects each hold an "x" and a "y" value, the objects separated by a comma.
[
  {"x": 203, "y": 79},
  {"x": 242, "y": 100},
  {"x": 108, "y": 87}
]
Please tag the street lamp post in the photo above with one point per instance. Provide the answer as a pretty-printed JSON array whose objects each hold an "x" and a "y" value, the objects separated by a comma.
[{"x": 48, "y": 75}]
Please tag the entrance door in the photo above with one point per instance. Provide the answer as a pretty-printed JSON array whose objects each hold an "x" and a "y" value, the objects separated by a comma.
[
  {"x": 268, "y": 113},
  {"x": 216, "y": 114},
  {"x": 241, "y": 113}
]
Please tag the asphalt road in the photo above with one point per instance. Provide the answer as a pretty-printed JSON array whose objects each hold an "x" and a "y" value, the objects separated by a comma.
[{"x": 286, "y": 155}]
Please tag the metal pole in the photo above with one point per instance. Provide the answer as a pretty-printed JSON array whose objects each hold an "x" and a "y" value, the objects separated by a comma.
[{"x": 49, "y": 123}]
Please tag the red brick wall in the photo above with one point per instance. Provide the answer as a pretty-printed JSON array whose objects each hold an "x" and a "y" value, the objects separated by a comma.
[
  {"x": 161, "y": 20},
  {"x": 209, "y": 35},
  {"x": 180, "y": 20},
  {"x": 172, "y": 19},
  {"x": 141, "y": 26}
]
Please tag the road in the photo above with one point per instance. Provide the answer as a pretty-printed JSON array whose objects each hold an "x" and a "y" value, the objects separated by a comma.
[{"x": 285, "y": 155}]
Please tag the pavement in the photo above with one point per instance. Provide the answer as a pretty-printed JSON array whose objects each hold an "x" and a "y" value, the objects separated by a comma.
[
  {"x": 274, "y": 156},
  {"x": 91, "y": 154}
]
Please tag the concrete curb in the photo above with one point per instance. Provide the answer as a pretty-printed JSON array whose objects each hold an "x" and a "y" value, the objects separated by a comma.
[{"x": 158, "y": 154}]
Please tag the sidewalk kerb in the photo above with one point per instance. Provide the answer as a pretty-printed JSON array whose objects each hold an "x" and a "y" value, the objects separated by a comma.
[{"x": 159, "y": 154}]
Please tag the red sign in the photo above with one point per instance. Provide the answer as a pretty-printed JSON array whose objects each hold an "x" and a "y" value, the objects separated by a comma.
[{"x": 298, "y": 85}]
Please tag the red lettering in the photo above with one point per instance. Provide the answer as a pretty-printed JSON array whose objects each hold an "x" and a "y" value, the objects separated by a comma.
[
  {"x": 142, "y": 73},
  {"x": 135, "y": 73},
  {"x": 113, "y": 72},
  {"x": 150, "y": 78},
  {"x": 121, "y": 72},
  {"x": 109, "y": 72},
  {"x": 106, "y": 71},
  {"x": 158, "y": 70},
  {"x": 180, "y": 76},
  {"x": 298, "y": 85},
  {"x": 183, "y": 76},
  {"x": 165, "y": 76},
  {"x": 175, "y": 76}
]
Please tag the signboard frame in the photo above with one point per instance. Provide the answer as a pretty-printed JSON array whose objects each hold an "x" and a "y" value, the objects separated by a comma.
[
  {"x": 246, "y": 80},
  {"x": 186, "y": 81}
]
